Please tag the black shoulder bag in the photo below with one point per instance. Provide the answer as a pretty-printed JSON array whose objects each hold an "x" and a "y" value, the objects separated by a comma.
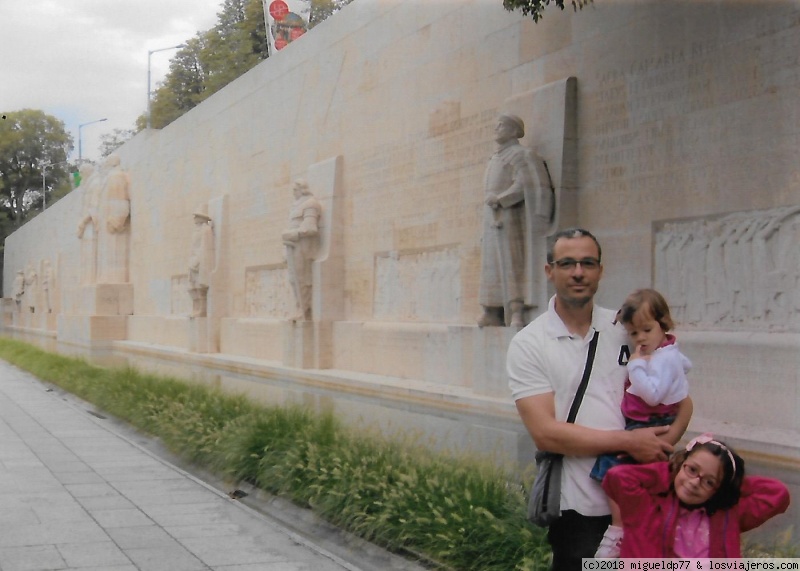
[{"x": 544, "y": 506}]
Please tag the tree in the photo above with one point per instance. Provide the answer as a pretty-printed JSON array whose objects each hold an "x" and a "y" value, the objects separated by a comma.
[
  {"x": 214, "y": 58},
  {"x": 182, "y": 88},
  {"x": 31, "y": 142},
  {"x": 321, "y": 10},
  {"x": 210, "y": 61},
  {"x": 534, "y": 8},
  {"x": 235, "y": 45},
  {"x": 110, "y": 142}
]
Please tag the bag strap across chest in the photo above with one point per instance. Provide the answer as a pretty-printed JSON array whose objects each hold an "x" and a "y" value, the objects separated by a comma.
[{"x": 587, "y": 372}]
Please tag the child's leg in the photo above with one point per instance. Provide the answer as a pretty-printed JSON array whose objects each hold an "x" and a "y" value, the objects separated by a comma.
[
  {"x": 610, "y": 544},
  {"x": 616, "y": 514}
]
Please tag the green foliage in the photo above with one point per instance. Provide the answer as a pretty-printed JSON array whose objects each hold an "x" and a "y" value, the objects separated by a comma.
[
  {"x": 534, "y": 8},
  {"x": 214, "y": 58},
  {"x": 210, "y": 61},
  {"x": 235, "y": 45},
  {"x": 321, "y": 10},
  {"x": 30, "y": 142},
  {"x": 110, "y": 142},
  {"x": 782, "y": 545}
]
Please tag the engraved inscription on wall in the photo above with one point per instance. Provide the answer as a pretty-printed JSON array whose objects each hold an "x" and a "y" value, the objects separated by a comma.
[
  {"x": 738, "y": 271},
  {"x": 418, "y": 286},
  {"x": 267, "y": 292},
  {"x": 180, "y": 302}
]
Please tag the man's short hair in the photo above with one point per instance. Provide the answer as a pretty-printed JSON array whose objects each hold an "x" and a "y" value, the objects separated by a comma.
[{"x": 571, "y": 233}]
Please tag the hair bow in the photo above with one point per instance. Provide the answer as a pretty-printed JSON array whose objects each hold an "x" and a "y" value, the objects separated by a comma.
[{"x": 708, "y": 438}]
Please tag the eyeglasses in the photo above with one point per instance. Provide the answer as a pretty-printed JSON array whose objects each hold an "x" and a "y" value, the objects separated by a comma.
[
  {"x": 706, "y": 482},
  {"x": 570, "y": 263}
]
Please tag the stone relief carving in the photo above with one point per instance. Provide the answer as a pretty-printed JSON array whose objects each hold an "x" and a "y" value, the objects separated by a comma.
[
  {"x": 520, "y": 206},
  {"x": 268, "y": 293},
  {"x": 302, "y": 243},
  {"x": 201, "y": 261},
  {"x": 742, "y": 269},
  {"x": 418, "y": 286},
  {"x": 114, "y": 238}
]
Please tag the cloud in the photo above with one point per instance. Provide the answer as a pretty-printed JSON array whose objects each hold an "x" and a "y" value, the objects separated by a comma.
[{"x": 84, "y": 60}]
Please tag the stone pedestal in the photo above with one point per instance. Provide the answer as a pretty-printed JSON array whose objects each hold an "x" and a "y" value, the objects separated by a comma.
[
  {"x": 86, "y": 329},
  {"x": 489, "y": 348},
  {"x": 101, "y": 314},
  {"x": 48, "y": 321},
  {"x": 169, "y": 331},
  {"x": 298, "y": 344},
  {"x": 198, "y": 335},
  {"x": 8, "y": 308},
  {"x": 252, "y": 337},
  {"x": 307, "y": 344},
  {"x": 106, "y": 299},
  {"x": 25, "y": 317}
]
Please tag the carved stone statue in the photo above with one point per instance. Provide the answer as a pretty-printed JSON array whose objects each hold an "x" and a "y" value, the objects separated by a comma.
[
  {"x": 201, "y": 261},
  {"x": 19, "y": 288},
  {"x": 31, "y": 280},
  {"x": 88, "y": 227},
  {"x": 114, "y": 238},
  {"x": 302, "y": 242},
  {"x": 520, "y": 206}
]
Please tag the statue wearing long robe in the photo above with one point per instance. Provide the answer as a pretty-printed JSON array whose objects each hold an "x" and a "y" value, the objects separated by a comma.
[
  {"x": 518, "y": 214},
  {"x": 114, "y": 239}
]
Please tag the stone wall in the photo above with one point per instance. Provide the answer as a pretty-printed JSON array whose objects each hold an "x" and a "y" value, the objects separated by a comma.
[{"x": 655, "y": 119}]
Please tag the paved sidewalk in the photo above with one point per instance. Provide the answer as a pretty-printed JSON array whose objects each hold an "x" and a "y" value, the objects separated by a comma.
[{"x": 76, "y": 493}]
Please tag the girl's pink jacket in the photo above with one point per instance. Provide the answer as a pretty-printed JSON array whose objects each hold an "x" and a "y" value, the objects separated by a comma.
[{"x": 649, "y": 511}]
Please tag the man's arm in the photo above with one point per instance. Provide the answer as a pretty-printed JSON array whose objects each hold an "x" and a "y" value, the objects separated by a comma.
[{"x": 538, "y": 414}]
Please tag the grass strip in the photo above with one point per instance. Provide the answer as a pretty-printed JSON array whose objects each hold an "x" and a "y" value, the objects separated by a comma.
[{"x": 461, "y": 513}]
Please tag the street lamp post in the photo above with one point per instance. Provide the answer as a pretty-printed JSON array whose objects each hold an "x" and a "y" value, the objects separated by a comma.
[
  {"x": 81, "y": 126},
  {"x": 149, "y": 54},
  {"x": 44, "y": 186}
]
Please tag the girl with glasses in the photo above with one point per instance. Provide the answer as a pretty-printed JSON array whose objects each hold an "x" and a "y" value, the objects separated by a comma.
[{"x": 695, "y": 506}]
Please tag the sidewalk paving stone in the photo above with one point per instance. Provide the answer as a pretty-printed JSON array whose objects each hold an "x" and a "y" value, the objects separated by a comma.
[{"x": 77, "y": 493}]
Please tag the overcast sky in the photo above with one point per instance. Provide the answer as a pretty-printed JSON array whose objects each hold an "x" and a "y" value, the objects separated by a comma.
[{"x": 83, "y": 60}]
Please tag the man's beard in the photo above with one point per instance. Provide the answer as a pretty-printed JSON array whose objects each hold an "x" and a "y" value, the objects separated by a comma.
[{"x": 578, "y": 302}]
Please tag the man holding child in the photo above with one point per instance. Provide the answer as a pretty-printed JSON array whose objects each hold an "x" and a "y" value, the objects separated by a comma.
[{"x": 545, "y": 364}]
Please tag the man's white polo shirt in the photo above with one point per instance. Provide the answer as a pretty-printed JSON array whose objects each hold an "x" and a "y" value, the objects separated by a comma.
[{"x": 545, "y": 358}]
